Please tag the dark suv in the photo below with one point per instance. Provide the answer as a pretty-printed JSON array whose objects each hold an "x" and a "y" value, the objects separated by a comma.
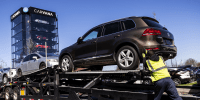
[{"x": 118, "y": 42}]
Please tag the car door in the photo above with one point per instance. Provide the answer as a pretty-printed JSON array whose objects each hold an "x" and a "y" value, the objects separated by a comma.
[
  {"x": 24, "y": 64},
  {"x": 111, "y": 35},
  {"x": 87, "y": 47},
  {"x": 33, "y": 63}
]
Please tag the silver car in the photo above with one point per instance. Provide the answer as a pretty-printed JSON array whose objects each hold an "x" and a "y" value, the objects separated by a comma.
[
  {"x": 35, "y": 62},
  {"x": 7, "y": 73}
]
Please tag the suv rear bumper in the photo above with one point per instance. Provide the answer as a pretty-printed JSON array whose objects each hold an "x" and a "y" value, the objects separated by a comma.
[{"x": 167, "y": 51}]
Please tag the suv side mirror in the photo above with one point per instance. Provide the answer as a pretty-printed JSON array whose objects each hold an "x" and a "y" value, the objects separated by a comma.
[
  {"x": 35, "y": 57},
  {"x": 79, "y": 39}
]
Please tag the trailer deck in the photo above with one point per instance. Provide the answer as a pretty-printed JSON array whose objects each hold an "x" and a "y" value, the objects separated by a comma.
[{"x": 88, "y": 85}]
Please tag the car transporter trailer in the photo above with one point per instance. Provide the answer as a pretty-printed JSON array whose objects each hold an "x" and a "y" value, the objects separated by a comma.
[{"x": 86, "y": 85}]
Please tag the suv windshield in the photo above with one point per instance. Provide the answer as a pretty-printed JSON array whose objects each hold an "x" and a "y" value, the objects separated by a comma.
[
  {"x": 152, "y": 23},
  {"x": 48, "y": 54}
]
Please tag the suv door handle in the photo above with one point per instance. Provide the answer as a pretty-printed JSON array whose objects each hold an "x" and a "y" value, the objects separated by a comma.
[
  {"x": 117, "y": 36},
  {"x": 94, "y": 42}
]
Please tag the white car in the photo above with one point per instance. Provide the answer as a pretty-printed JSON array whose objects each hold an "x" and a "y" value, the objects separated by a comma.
[
  {"x": 7, "y": 73},
  {"x": 35, "y": 62},
  {"x": 179, "y": 75}
]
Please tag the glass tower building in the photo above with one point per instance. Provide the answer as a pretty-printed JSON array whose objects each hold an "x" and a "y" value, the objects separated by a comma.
[{"x": 30, "y": 29}]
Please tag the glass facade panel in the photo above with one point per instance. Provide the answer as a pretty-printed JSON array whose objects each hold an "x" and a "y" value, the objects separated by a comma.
[
  {"x": 16, "y": 21},
  {"x": 43, "y": 29}
]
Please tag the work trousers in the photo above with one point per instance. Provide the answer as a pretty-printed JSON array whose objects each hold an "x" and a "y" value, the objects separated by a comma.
[{"x": 166, "y": 85}]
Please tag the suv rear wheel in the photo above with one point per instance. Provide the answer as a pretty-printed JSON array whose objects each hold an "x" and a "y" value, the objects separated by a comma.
[
  {"x": 66, "y": 64},
  {"x": 127, "y": 58}
]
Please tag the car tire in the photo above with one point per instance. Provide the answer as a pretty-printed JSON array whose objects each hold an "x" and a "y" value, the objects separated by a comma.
[
  {"x": 16, "y": 93},
  {"x": 5, "y": 79},
  {"x": 7, "y": 94},
  {"x": 177, "y": 81},
  {"x": 147, "y": 82},
  {"x": 42, "y": 65},
  {"x": 96, "y": 68},
  {"x": 19, "y": 73},
  {"x": 66, "y": 64},
  {"x": 127, "y": 58}
]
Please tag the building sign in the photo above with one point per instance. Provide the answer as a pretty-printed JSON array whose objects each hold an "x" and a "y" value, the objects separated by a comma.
[
  {"x": 42, "y": 12},
  {"x": 32, "y": 10},
  {"x": 15, "y": 14}
]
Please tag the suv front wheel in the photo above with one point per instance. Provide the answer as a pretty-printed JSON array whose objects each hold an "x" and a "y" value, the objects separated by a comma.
[
  {"x": 66, "y": 64},
  {"x": 127, "y": 58}
]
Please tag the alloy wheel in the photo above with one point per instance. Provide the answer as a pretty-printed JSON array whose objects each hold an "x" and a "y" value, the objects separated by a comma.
[
  {"x": 126, "y": 58},
  {"x": 5, "y": 80},
  {"x": 65, "y": 64}
]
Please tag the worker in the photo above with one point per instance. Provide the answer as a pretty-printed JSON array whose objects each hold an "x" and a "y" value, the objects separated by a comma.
[{"x": 159, "y": 75}]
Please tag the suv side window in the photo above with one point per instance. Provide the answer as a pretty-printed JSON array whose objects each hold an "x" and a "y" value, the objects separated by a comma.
[
  {"x": 128, "y": 24},
  {"x": 112, "y": 28},
  {"x": 93, "y": 34},
  {"x": 26, "y": 58}
]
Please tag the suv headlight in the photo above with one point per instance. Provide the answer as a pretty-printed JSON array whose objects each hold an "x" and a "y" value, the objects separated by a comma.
[{"x": 52, "y": 60}]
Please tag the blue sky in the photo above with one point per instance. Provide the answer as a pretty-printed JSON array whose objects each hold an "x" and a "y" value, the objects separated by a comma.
[{"x": 75, "y": 17}]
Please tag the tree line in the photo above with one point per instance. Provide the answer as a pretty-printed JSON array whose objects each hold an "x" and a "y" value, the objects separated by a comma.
[{"x": 189, "y": 61}]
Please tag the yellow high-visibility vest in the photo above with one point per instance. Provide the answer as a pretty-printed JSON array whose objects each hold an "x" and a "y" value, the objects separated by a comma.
[{"x": 158, "y": 69}]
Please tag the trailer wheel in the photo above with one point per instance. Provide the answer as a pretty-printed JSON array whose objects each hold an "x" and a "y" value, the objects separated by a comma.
[
  {"x": 66, "y": 64},
  {"x": 7, "y": 95},
  {"x": 16, "y": 93},
  {"x": 5, "y": 79},
  {"x": 127, "y": 58}
]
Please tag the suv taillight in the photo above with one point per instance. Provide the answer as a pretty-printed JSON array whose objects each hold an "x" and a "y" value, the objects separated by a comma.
[
  {"x": 152, "y": 49},
  {"x": 151, "y": 31}
]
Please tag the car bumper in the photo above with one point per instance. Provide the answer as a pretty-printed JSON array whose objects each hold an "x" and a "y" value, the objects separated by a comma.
[
  {"x": 167, "y": 51},
  {"x": 52, "y": 64},
  {"x": 185, "y": 78}
]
